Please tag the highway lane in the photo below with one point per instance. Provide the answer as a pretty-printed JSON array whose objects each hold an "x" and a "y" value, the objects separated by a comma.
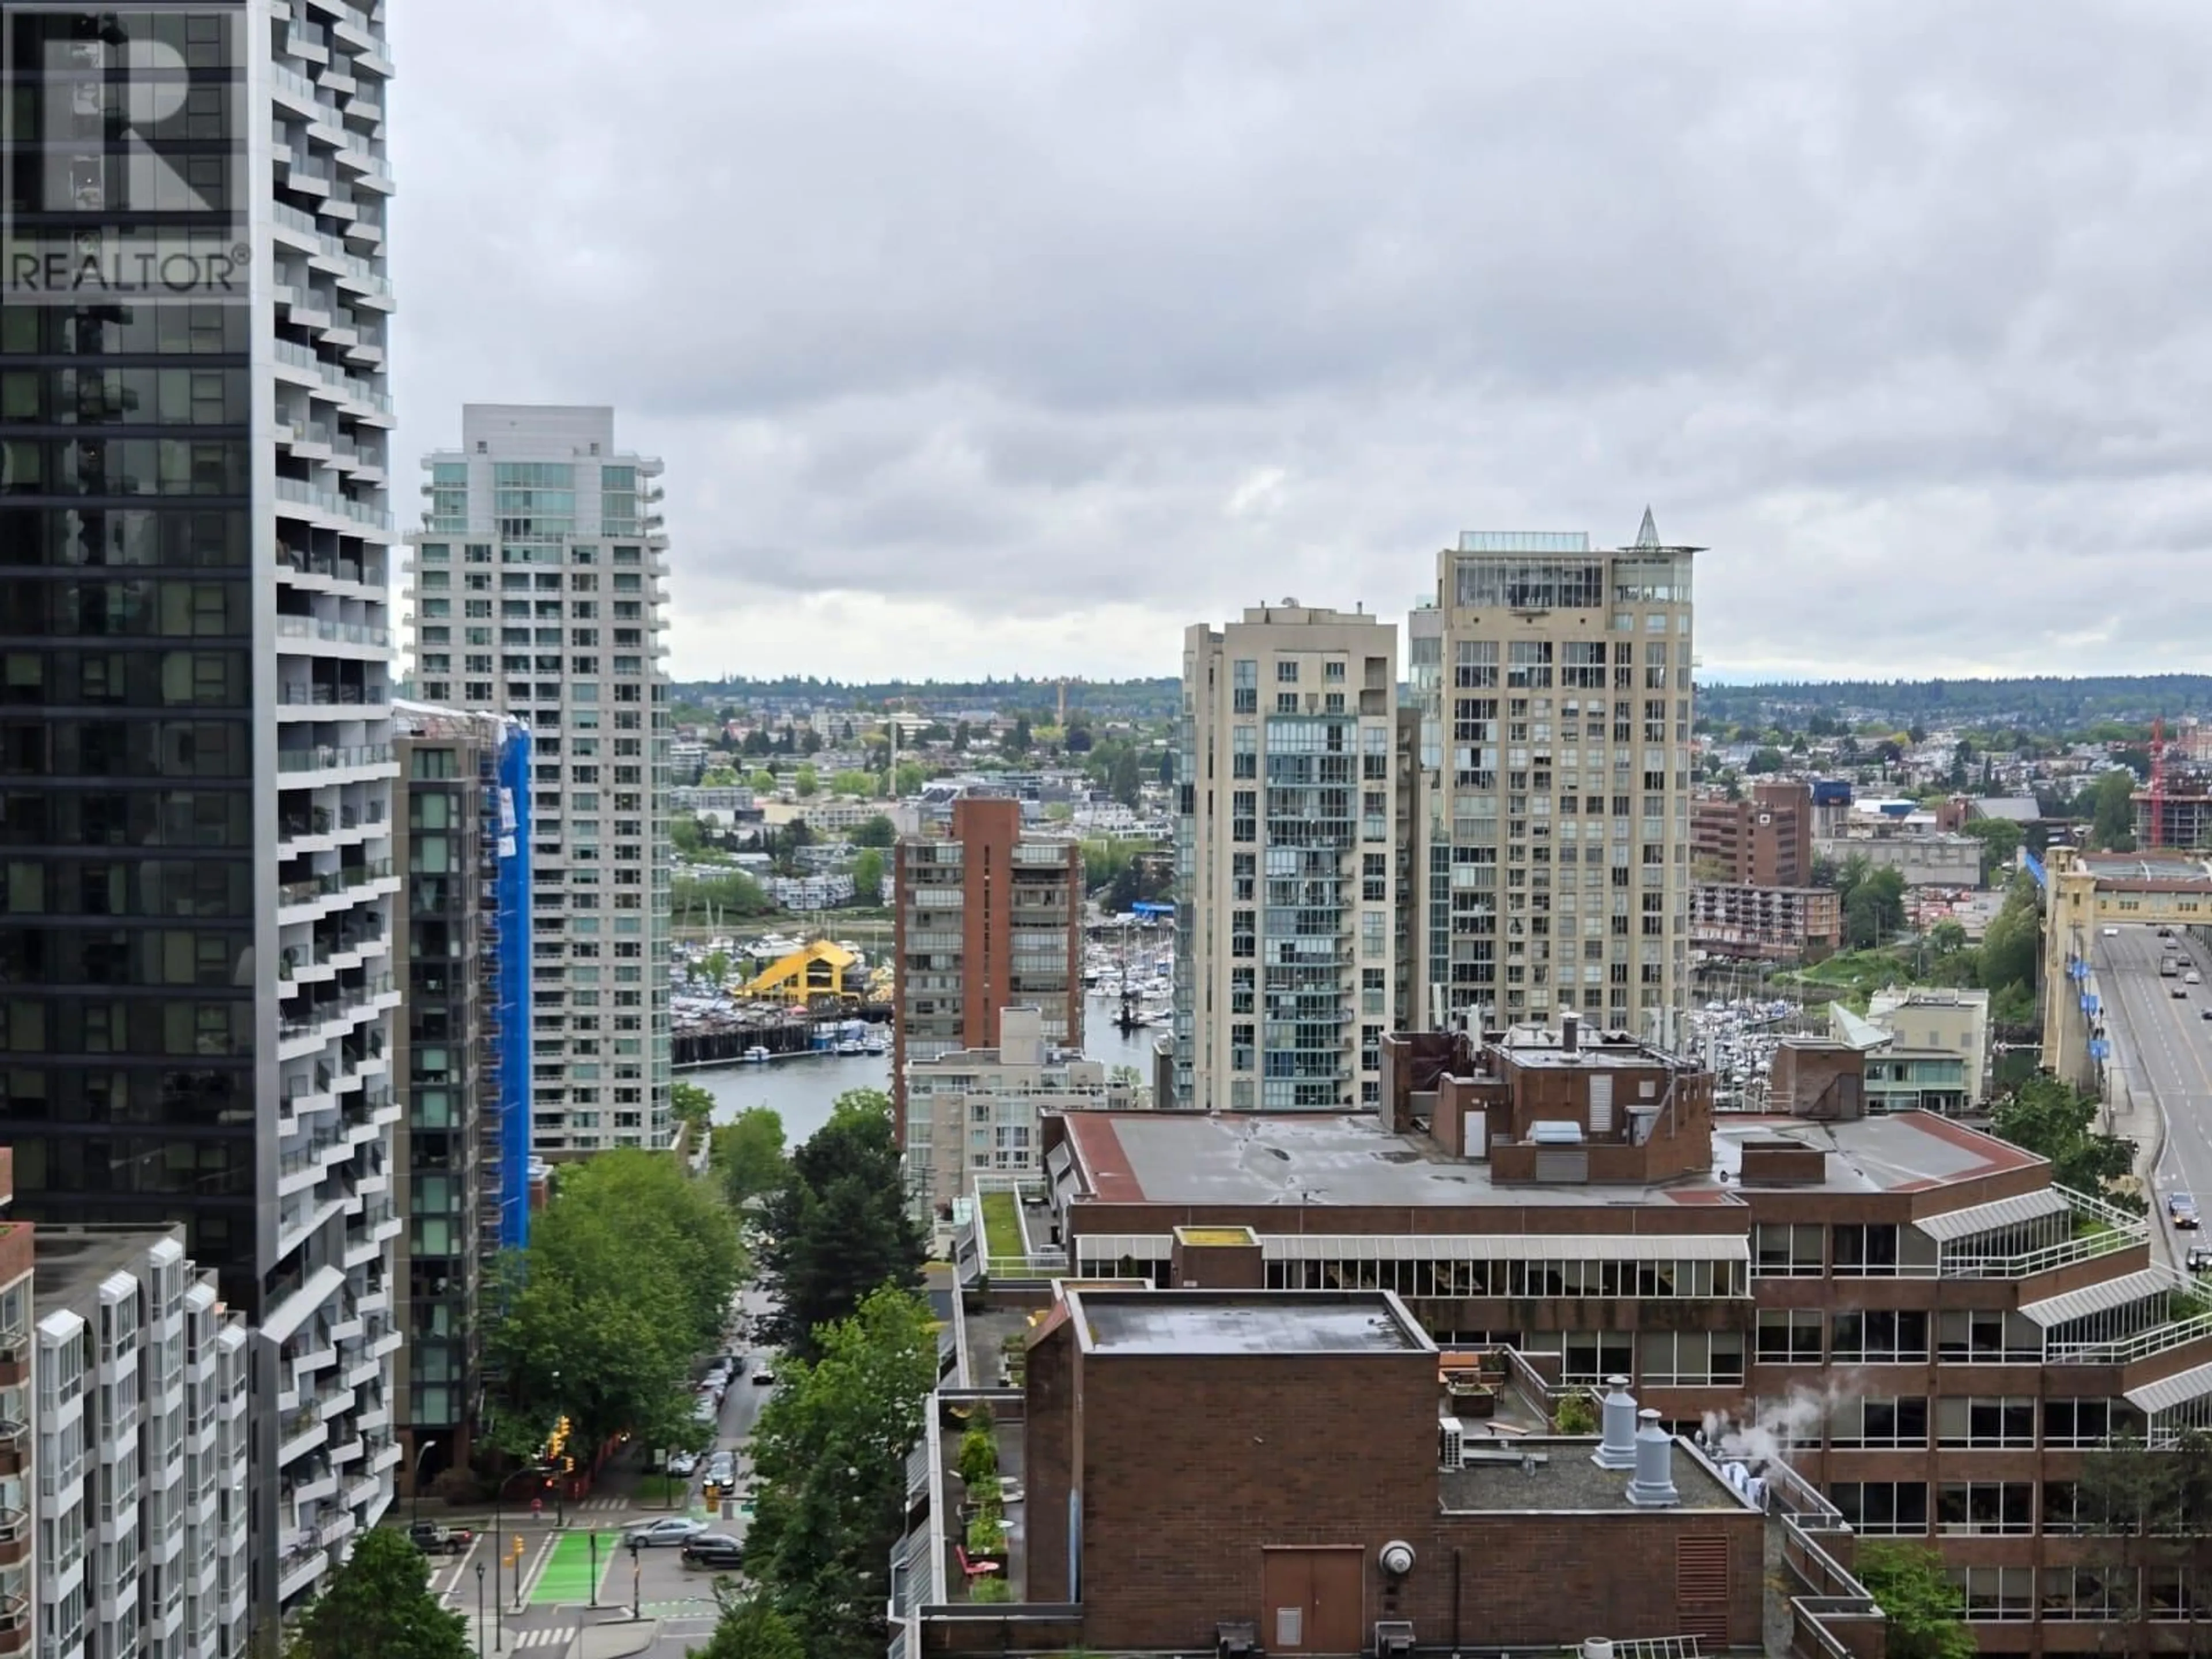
[{"x": 2161, "y": 1066}]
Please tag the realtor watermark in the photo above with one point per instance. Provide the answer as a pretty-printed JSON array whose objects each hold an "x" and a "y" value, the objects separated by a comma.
[{"x": 123, "y": 131}]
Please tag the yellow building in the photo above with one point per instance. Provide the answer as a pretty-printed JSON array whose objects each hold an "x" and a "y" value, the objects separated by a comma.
[{"x": 813, "y": 971}]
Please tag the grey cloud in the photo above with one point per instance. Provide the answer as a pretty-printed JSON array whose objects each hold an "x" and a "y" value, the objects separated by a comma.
[{"x": 1115, "y": 315}]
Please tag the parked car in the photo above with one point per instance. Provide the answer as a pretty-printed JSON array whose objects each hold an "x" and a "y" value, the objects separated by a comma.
[
  {"x": 2200, "y": 1259},
  {"x": 2181, "y": 1209},
  {"x": 708, "y": 1410},
  {"x": 764, "y": 1378},
  {"x": 669, "y": 1529},
  {"x": 434, "y": 1540},
  {"x": 683, "y": 1462},
  {"x": 713, "y": 1549}
]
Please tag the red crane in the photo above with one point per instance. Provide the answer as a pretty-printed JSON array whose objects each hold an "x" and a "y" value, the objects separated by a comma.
[{"x": 2158, "y": 780}]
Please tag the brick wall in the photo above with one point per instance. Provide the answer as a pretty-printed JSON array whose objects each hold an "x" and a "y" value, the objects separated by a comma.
[{"x": 1194, "y": 1465}]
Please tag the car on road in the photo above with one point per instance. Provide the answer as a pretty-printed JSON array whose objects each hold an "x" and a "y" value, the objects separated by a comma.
[
  {"x": 713, "y": 1549},
  {"x": 2180, "y": 992},
  {"x": 2181, "y": 1210},
  {"x": 434, "y": 1540},
  {"x": 2192, "y": 978},
  {"x": 2111, "y": 933},
  {"x": 669, "y": 1529},
  {"x": 2204, "y": 1013},
  {"x": 2200, "y": 1259},
  {"x": 2165, "y": 933},
  {"x": 764, "y": 1378},
  {"x": 683, "y": 1462}
]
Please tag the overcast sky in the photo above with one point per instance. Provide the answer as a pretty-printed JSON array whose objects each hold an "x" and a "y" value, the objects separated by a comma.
[{"x": 1012, "y": 338}]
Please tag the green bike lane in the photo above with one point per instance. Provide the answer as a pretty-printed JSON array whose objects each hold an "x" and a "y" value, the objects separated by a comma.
[{"x": 567, "y": 1577}]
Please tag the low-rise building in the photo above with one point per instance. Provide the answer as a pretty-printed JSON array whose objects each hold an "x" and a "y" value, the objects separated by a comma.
[
  {"x": 1925, "y": 859},
  {"x": 973, "y": 1112},
  {"x": 1958, "y": 1329},
  {"x": 1945, "y": 1018},
  {"x": 1770, "y": 924},
  {"x": 143, "y": 1508}
]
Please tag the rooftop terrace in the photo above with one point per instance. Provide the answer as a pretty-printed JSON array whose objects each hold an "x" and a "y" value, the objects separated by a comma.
[
  {"x": 1554, "y": 1475},
  {"x": 1906, "y": 1152}
]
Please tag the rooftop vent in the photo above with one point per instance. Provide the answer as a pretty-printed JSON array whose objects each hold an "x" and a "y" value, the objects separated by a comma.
[
  {"x": 1618, "y": 1449},
  {"x": 1653, "y": 1488}
]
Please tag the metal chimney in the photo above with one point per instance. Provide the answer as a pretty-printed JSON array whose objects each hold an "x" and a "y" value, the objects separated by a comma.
[
  {"x": 1568, "y": 1028},
  {"x": 1653, "y": 1488},
  {"x": 1618, "y": 1449}
]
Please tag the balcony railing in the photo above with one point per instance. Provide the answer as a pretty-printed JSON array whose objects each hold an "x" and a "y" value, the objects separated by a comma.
[{"x": 332, "y": 756}]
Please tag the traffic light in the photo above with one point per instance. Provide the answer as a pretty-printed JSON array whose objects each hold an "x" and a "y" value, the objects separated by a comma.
[{"x": 518, "y": 1546}]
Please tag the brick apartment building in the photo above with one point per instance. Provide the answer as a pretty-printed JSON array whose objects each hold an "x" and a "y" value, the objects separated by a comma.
[
  {"x": 1772, "y": 924},
  {"x": 1943, "y": 1333},
  {"x": 1189, "y": 1430},
  {"x": 985, "y": 918},
  {"x": 1763, "y": 841}
]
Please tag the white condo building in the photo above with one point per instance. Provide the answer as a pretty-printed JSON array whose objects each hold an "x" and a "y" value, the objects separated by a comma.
[
  {"x": 140, "y": 1419},
  {"x": 537, "y": 590}
]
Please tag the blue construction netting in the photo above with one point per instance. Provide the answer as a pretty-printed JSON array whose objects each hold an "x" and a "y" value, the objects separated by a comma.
[
  {"x": 2034, "y": 868},
  {"x": 510, "y": 986}
]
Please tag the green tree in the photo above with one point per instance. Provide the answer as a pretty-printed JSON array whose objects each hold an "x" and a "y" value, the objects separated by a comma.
[
  {"x": 961, "y": 738},
  {"x": 859, "y": 785},
  {"x": 2000, "y": 839},
  {"x": 831, "y": 1454},
  {"x": 734, "y": 892},
  {"x": 878, "y": 831},
  {"x": 806, "y": 781},
  {"x": 690, "y": 1104},
  {"x": 1123, "y": 781},
  {"x": 718, "y": 777},
  {"x": 626, "y": 1279},
  {"x": 1874, "y": 910},
  {"x": 763, "y": 781},
  {"x": 868, "y": 876},
  {"x": 379, "y": 1605},
  {"x": 2014, "y": 940},
  {"x": 684, "y": 833},
  {"x": 1017, "y": 742},
  {"x": 1918, "y": 1599},
  {"x": 2150, "y": 1508},
  {"x": 838, "y": 1223},
  {"x": 749, "y": 1627},
  {"x": 2112, "y": 811},
  {"x": 2055, "y": 1121},
  {"x": 748, "y": 1151},
  {"x": 1765, "y": 759},
  {"x": 906, "y": 779}
]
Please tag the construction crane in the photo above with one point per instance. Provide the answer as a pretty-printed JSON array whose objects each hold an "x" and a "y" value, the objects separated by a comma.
[{"x": 2157, "y": 837}]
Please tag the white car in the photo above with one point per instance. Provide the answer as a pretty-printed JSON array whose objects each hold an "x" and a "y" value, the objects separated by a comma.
[
  {"x": 2111, "y": 933},
  {"x": 764, "y": 1378},
  {"x": 683, "y": 1462},
  {"x": 670, "y": 1529}
]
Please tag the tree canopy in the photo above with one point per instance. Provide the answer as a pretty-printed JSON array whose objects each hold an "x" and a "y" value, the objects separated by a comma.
[
  {"x": 830, "y": 1453},
  {"x": 2056, "y": 1121},
  {"x": 838, "y": 1224},
  {"x": 1918, "y": 1599},
  {"x": 748, "y": 1155},
  {"x": 379, "y": 1605},
  {"x": 878, "y": 831},
  {"x": 627, "y": 1280}
]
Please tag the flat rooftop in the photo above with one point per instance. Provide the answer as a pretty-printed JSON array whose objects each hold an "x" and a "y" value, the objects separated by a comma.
[
  {"x": 1343, "y": 1158},
  {"x": 1245, "y": 1322},
  {"x": 1904, "y": 1152},
  {"x": 70, "y": 1261},
  {"x": 1564, "y": 1479}
]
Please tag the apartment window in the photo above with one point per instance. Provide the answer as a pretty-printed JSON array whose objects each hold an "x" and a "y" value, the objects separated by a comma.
[
  {"x": 1879, "y": 1337},
  {"x": 2086, "y": 1422},
  {"x": 2097, "y": 1593},
  {"x": 1985, "y": 1422},
  {"x": 1372, "y": 991},
  {"x": 1782, "y": 1250},
  {"x": 1789, "y": 1336},
  {"x": 2005, "y": 1594},
  {"x": 2063, "y": 1511},
  {"x": 1866, "y": 1251},
  {"x": 1528, "y": 665},
  {"x": 1692, "y": 1359},
  {"x": 1592, "y": 1356},
  {"x": 1241, "y": 990},
  {"x": 1374, "y": 876},
  {"x": 1244, "y": 814},
  {"x": 1240, "y": 1047},
  {"x": 1879, "y": 1425},
  {"x": 1244, "y": 877},
  {"x": 1474, "y": 664},
  {"x": 1286, "y": 670},
  {"x": 1984, "y": 1336},
  {"x": 1985, "y": 1506},
  {"x": 1882, "y": 1508},
  {"x": 1243, "y": 933},
  {"x": 1244, "y": 751},
  {"x": 1286, "y": 702},
  {"x": 1245, "y": 686}
]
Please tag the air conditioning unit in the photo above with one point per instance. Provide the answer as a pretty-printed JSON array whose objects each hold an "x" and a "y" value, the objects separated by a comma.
[
  {"x": 1451, "y": 1443},
  {"x": 1235, "y": 1638},
  {"x": 1394, "y": 1638}
]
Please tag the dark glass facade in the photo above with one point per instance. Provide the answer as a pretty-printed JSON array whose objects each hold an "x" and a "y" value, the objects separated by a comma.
[{"x": 126, "y": 682}]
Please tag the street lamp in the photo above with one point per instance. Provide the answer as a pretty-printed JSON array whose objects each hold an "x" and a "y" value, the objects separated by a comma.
[
  {"x": 416, "y": 1479},
  {"x": 480, "y": 1604}
]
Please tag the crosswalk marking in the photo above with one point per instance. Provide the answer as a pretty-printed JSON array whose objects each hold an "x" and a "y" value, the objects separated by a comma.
[
  {"x": 592, "y": 1505},
  {"x": 543, "y": 1637}
]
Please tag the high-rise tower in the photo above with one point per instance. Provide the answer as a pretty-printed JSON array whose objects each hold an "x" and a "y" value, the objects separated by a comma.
[
  {"x": 537, "y": 591},
  {"x": 1559, "y": 874},
  {"x": 1286, "y": 962},
  {"x": 195, "y": 749}
]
